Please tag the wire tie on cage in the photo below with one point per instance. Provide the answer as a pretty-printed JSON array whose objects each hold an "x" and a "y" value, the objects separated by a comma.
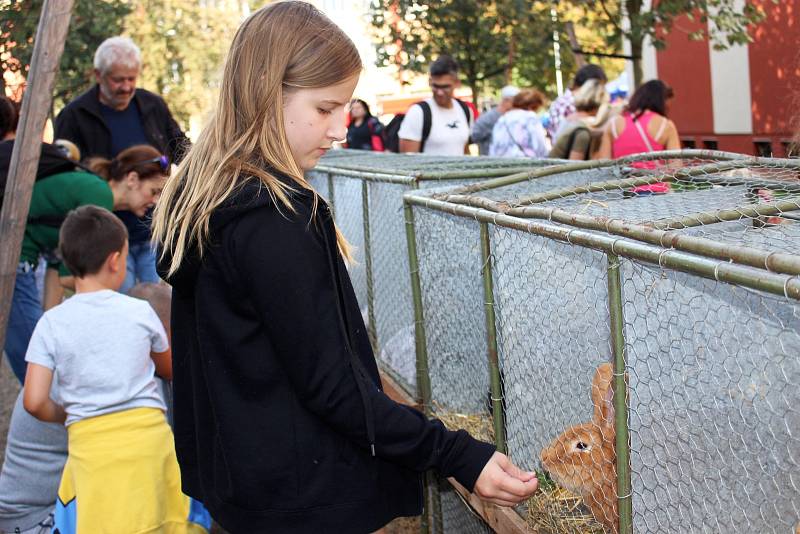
[
  {"x": 766, "y": 260},
  {"x": 716, "y": 271},
  {"x": 497, "y": 400},
  {"x": 660, "y": 256},
  {"x": 786, "y": 286},
  {"x": 613, "y": 247},
  {"x": 569, "y": 237}
]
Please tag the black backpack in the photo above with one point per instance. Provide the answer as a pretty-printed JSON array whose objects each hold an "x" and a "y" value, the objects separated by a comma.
[
  {"x": 51, "y": 161},
  {"x": 391, "y": 139}
]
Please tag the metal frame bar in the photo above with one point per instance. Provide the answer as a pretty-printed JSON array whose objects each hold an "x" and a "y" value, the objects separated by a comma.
[
  {"x": 659, "y": 233},
  {"x": 754, "y": 278},
  {"x": 423, "y": 393},
  {"x": 621, "y": 428},
  {"x": 330, "y": 194},
  {"x": 495, "y": 376},
  {"x": 372, "y": 328},
  {"x": 601, "y": 164}
]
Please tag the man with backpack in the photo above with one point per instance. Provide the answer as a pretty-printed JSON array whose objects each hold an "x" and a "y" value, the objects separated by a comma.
[{"x": 439, "y": 125}]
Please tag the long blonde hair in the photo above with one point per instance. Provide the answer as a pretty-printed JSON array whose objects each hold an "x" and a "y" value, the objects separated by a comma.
[{"x": 280, "y": 48}]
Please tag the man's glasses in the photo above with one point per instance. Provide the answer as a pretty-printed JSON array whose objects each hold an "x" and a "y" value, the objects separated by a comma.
[
  {"x": 162, "y": 161},
  {"x": 441, "y": 87}
]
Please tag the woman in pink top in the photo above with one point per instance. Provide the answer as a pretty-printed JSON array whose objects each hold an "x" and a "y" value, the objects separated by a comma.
[{"x": 643, "y": 127}]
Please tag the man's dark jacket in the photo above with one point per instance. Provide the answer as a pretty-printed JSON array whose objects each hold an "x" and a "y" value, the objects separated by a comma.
[
  {"x": 278, "y": 401},
  {"x": 81, "y": 122}
]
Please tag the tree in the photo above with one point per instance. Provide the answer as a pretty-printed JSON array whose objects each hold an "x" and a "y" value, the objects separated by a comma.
[
  {"x": 484, "y": 36},
  {"x": 90, "y": 24},
  {"x": 729, "y": 24},
  {"x": 183, "y": 45},
  {"x": 495, "y": 41}
]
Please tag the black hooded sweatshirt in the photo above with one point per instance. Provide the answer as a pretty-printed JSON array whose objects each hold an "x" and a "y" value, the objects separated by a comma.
[{"x": 281, "y": 424}]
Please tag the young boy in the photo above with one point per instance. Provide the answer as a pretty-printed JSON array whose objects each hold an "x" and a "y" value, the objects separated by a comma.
[{"x": 104, "y": 348}]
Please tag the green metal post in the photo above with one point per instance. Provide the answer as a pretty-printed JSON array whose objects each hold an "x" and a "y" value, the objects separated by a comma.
[
  {"x": 423, "y": 393},
  {"x": 491, "y": 340},
  {"x": 330, "y": 194},
  {"x": 620, "y": 395},
  {"x": 372, "y": 330}
]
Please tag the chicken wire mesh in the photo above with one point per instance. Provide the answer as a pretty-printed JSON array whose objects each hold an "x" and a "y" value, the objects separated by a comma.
[
  {"x": 366, "y": 191},
  {"x": 712, "y": 353},
  {"x": 714, "y": 406},
  {"x": 452, "y": 515}
]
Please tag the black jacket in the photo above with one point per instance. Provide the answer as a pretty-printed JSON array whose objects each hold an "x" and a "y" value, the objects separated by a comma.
[
  {"x": 278, "y": 401},
  {"x": 82, "y": 123}
]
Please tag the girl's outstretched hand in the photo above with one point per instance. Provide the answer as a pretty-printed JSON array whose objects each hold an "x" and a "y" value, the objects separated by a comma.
[{"x": 503, "y": 483}]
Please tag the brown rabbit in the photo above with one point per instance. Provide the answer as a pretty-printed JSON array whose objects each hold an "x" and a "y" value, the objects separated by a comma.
[{"x": 583, "y": 458}]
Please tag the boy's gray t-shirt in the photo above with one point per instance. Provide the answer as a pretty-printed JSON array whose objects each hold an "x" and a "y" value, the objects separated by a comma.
[{"x": 99, "y": 343}]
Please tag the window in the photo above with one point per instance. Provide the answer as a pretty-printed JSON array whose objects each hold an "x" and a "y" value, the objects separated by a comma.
[
  {"x": 710, "y": 144},
  {"x": 688, "y": 142},
  {"x": 763, "y": 148}
]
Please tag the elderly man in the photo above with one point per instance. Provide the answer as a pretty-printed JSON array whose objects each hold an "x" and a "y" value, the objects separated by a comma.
[
  {"x": 114, "y": 115},
  {"x": 482, "y": 129}
]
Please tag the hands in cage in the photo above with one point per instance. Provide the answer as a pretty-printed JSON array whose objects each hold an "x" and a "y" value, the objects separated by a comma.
[{"x": 503, "y": 483}]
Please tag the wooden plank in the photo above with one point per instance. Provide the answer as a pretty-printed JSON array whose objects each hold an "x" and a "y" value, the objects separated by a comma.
[
  {"x": 49, "y": 45},
  {"x": 503, "y": 520},
  {"x": 395, "y": 392},
  {"x": 500, "y": 519}
]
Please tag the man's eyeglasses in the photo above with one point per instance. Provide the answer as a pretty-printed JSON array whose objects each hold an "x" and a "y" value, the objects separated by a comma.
[
  {"x": 441, "y": 87},
  {"x": 162, "y": 161}
]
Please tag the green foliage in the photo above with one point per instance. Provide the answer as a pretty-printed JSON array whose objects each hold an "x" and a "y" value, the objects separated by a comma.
[
  {"x": 90, "y": 24},
  {"x": 729, "y": 24},
  {"x": 484, "y": 36},
  {"x": 494, "y": 38},
  {"x": 494, "y": 41},
  {"x": 183, "y": 46}
]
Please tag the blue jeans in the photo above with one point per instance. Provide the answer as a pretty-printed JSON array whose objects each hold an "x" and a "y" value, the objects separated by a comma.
[
  {"x": 26, "y": 309},
  {"x": 141, "y": 266}
]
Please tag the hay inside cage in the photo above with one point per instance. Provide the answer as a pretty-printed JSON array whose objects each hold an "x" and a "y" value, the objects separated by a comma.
[
  {"x": 479, "y": 426},
  {"x": 558, "y": 511}
]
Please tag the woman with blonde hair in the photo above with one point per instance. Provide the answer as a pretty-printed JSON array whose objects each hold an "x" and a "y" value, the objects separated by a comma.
[
  {"x": 574, "y": 137},
  {"x": 281, "y": 424}
]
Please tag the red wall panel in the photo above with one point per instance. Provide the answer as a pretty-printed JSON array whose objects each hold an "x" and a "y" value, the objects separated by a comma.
[
  {"x": 775, "y": 67},
  {"x": 685, "y": 65}
]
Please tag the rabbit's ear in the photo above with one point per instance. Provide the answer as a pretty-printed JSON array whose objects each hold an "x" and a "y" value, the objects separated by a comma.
[
  {"x": 605, "y": 421},
  {"x": 601, "y": 384}
]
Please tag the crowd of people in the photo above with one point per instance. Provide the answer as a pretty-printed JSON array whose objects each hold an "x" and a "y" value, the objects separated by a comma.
[
  {"x": 581, "y": 124},
  {"x": 256, "y": 400}
]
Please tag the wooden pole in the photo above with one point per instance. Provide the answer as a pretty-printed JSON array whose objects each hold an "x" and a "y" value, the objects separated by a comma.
[{"x": 49, "y": 45}]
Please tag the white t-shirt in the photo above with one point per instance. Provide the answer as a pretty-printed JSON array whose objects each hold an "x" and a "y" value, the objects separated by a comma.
[
  {"x": 98, "y": 345},
  {"x": 449, "y": 129}
]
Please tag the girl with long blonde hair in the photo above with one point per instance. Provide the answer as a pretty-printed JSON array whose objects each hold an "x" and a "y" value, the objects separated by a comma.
[{"x": 281, "y": 424}]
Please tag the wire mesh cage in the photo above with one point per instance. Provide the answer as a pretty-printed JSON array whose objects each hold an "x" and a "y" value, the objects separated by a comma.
[
  {"x": 629, "y": 329},
  {"x": 366, "y": 191},
  {"x": 451, "y": 515}
]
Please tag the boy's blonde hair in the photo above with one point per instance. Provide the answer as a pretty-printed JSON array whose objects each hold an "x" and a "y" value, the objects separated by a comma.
[{"x": 279, "y": 49}]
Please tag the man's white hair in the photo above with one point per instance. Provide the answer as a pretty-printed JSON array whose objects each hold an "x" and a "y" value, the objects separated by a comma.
[{"x": 121, "y": 51}]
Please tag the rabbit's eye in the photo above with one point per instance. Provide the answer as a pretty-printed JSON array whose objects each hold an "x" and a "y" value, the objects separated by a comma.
[{"x": 581, "y": 446}]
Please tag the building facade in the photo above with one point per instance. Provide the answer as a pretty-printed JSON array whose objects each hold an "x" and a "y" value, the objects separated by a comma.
[{"x": 743, "y": 99}]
